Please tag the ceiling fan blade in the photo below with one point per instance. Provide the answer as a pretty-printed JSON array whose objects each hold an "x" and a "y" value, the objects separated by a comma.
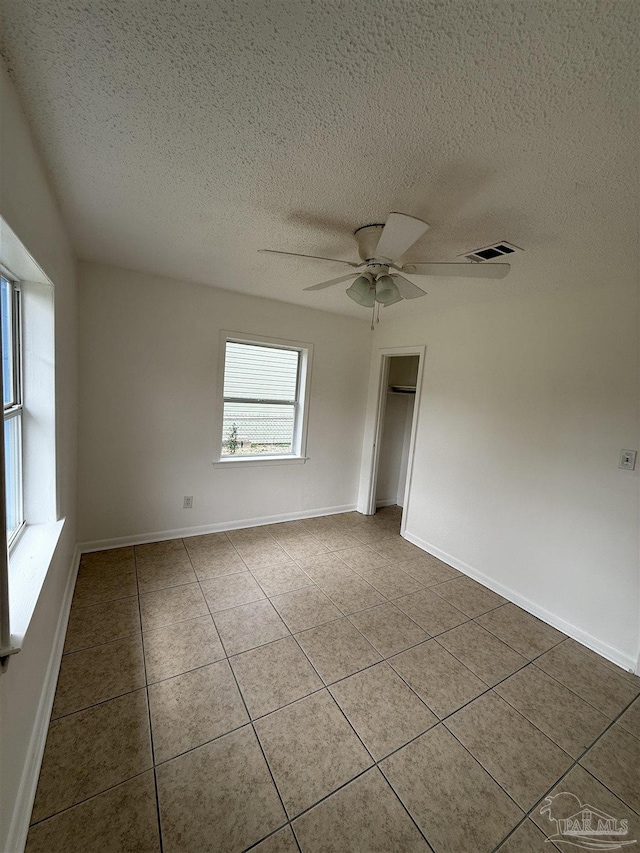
[
  {"x": 315, "y": 257},
  {"x": 331, "y": 282},
  {"x": 398, "y": 235},
  {"x": 408, "y": 290},
  {"x": 462, "y": 270}
]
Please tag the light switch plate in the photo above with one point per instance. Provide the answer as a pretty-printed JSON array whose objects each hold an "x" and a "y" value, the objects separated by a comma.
[{"x": 627, "y": 459}]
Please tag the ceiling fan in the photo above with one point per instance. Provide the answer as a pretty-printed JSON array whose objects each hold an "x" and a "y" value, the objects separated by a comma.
[{"x": 380, "y": 247}]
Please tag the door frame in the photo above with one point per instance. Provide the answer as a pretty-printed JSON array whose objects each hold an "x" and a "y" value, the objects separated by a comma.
[{"x": 374, "y": 424}]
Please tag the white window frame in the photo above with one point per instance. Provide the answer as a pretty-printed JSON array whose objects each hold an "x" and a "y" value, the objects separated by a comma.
[
  {"x": 301, "y": 417},
  {"x": 16, "y": 409}
]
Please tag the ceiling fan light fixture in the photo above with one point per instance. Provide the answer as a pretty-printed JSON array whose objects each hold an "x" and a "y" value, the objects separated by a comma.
[
  {"x": 362, "y": 292},
  {"x": 386, "y": 291}
]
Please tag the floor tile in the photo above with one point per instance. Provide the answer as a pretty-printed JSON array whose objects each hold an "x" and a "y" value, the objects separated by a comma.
[
  {"x": 280, "y": 842},
  {"x": 311, "y": 750},
  {"x": 336, "y": 540},
  {"x": 305, "y": 608},
  {"x": 299, "y": 547},
  {"x": 99, "y": 673},
  {"x": 388, "y": 629},
  {"x": 250, "y": 625},
  {"x": 362, "y": 558},
  {"x": 518, "y": 756},
  {"x": 370, "y": 535},
  {"x": 105, "y": 576},
  {"x": 93, "y": 750},
  {"x": 429, "y": 570},
  {"x": 467, "y": 595},
  {"x": 597, "y": 684},
  {"x": 212, "y": 555},
  {"x": 431, "y": 612},
  {"x": 274, "y": 675},
  {"x": 351, "y": 594},
  {"x": 365, "y": 815},
  {"x": 264, "y": 553},
  {"x": 163, "y": 564},
  {"x": 173, "y": 649},
  {"x": 437, "y": 677},
  {"x": 286, "y": 577},
  {"x": 630, "y": 720},
  {"x": 575, "y": 790},
  {"x": 193, "y": 708},
  {"x": 385, "y": 713},
  {"x": 558, "y": 712},
  {"x": 121, "y": 820},
  {"x": 326, "y": 568},
  {"x": 220, "y": 562},
  {"x": 249, "y": 535},
  {"x": 219, "y": 797},
  {"x": 337, "y": 649},
  {"x": 395, "y": 549},
  {"x": 391, "y": 581},
  {"x": 615, "y": 761},
  {"x": 230, "y": 591},
  {"x": 101, "y": 623},
  {"x": 490, "y": 658},
  {"x": 176, "y": 604},
  {"x": 456, "y": 804},
  {"x": 520, "y": 630},
  {"x": 526, "y": 839},
  {"x": 207, "y": 543}
]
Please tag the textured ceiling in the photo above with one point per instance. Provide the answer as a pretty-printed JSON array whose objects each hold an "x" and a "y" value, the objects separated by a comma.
[{"x": 183, "y": 136}]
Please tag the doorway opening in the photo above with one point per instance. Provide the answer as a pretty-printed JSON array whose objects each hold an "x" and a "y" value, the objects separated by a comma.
[{"x": 393, "y": 410}]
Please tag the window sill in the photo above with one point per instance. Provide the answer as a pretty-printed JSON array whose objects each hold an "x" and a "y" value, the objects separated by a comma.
[
  {"x": 28, "y": 568},
  {"x": 258, "y": 461}
]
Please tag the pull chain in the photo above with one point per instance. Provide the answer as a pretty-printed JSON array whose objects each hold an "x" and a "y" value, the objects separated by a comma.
[
  {"x": 373, "y": 316},
  {"x": 378, "y": 313}
]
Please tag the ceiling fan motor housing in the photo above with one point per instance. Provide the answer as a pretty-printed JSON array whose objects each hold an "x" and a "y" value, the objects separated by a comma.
[{"x": 367, "y": 238}]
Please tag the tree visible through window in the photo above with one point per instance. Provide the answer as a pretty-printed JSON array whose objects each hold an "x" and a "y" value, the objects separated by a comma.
[
  {"x": 12, "y": 399},
  {"x": 262, "y": 399}
]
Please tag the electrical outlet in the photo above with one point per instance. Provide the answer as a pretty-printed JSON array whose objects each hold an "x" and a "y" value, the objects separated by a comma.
[
  {"x": 188, "y": 502},
  {"x": 627, "y": 459}
]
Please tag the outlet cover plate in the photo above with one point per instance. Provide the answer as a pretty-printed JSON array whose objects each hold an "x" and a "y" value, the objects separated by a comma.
[
  {"x": 188, "y": 502},
  {"x": 627, "y": 459}
]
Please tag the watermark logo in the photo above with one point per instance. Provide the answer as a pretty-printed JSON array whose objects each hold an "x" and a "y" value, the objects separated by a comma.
[{"x": 583, "y": 825}]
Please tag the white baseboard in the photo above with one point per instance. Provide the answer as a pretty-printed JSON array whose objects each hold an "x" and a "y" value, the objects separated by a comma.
[
  {"x": 19, "y": 827},
  {"x": 221, "y": 527},
  {"x": 388, "y": 502},
  {"x": 609, "y": 652}
]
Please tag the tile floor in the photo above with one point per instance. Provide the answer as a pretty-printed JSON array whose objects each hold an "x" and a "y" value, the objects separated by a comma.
[{"x": 321, "y": 686}]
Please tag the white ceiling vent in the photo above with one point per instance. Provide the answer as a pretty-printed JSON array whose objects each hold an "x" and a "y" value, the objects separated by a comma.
[{"x": 491, "y": 253}]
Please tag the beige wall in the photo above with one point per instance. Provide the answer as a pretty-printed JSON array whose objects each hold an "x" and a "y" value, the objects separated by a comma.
[
  {"x": 149, "y": 359},
  {"x": 526, "y": 404},
  {"x": 28, "y": 206}
]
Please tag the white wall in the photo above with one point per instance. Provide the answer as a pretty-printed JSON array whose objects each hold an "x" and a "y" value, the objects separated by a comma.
[
  {"x": 149, "y": 357},
  {"x": 526, "y": 404},
  {"x": 394, "y": 448},
  {"x": 28, "y": 206}
]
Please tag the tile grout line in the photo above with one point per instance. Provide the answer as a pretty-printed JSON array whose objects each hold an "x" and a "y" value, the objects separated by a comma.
[
  {"x": 253, "y": 729},
  {"x": 146, "y": 682}
]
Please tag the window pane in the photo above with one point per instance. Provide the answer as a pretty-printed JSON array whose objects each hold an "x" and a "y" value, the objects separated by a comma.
[
  {"x": 260, "y": 373},
  {"x": 13, "y": 473},
  {"x": 7, "y": 343},
  {"x": 254, "y": 428}
]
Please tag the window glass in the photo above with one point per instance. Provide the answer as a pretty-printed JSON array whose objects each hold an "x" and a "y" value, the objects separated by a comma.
[{"x": 261, "y": 386}]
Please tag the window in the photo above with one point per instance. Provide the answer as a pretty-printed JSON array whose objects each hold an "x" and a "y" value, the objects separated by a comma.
[
  {"x": 12, "y": 399},
  {"x": 264, "y": 399}
]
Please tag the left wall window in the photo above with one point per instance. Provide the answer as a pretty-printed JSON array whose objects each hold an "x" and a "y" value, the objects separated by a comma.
[{"x": 10, "y": 304}]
